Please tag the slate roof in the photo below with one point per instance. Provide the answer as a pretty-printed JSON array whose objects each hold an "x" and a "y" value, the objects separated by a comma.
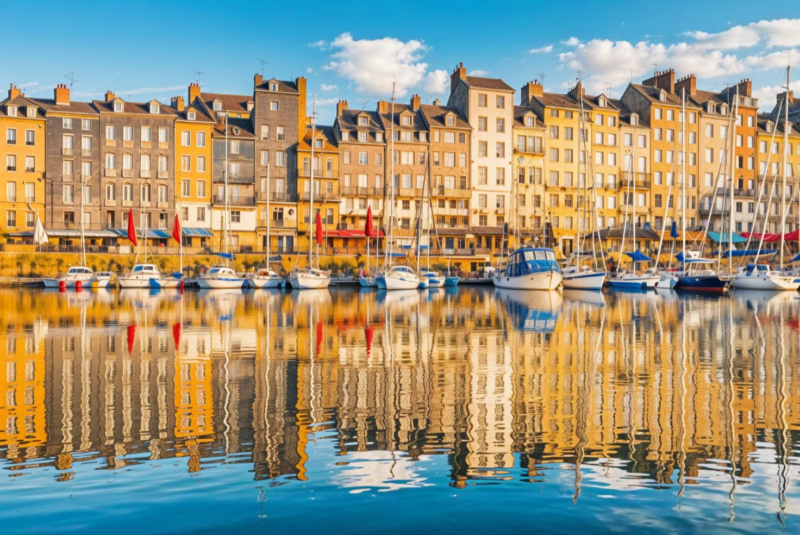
[
  {"x": 73, "y": 107},
  {"x": 231, "y": 103},
  {"x": 284, "y": 86},
  {"x": 652, "y": 94},
  {"x": 495, "y": 84},
  {"x": 135, "y": 107},
  {"x": 21, "y": 101},
  {"x": 435, "y": 116}
]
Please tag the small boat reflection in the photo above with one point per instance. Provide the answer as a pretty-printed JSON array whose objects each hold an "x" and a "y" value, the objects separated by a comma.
[
  {"x": 758, "y": 299},
  {"x": 140, "y": 297},
  {"x": 589, "y": 297},
  {"x": 311, "y": 296},
  {"x": 398, "y": 297},
  {"x": 531, "y": 311}
]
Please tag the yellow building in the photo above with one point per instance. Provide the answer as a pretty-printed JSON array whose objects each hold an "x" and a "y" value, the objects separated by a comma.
[
  {"x": 326, "y": 184},
  {"x": 528, "y": 207},
  {"x": 193, "y": 163},
  {"x": 770, "y": 155},
  {"x": 22, "y": 157}
]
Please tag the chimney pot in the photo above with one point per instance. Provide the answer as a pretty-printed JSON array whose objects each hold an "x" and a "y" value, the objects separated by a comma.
[
  {"x": 61, "y": 94},
  {"x": 13, "y": 91},
  {"x": 110, "y": 96},
  {"x": 194, "y": 92},
  {"x": 258, "y": 80}
]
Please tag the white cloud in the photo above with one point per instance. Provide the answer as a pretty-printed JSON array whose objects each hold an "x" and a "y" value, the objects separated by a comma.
[
  {"x": 329, "y": 87},
  {"x": 541, "y": 50},
  {"x": 572, "y": 41},
  {"x": 768, "y": 95},
  {"x": 478, "y": 72},
  {"x": 776, "y": 33},
  {"x": 372, "y": 64},
  {"x": 318, "y": 44},
  {"x": 310, "y": 70},
  {"x": 132, "y": 92},
  {"x": 436, "y": 82},
  {"x": 28, "y": 85}
]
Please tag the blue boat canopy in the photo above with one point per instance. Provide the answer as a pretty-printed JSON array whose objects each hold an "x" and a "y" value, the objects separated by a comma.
[
  {"x": 722, "y": 237},
  {"x": 228, "y": 256},
  {"x": 736, "y": 253},
  {"x": 673, "y": 232},
  {"x": 151, "y": 233},
  {"x": 194, "y": 231},
  {"x": 638, "y": 256},
  {"x": 796, "y": 258}
]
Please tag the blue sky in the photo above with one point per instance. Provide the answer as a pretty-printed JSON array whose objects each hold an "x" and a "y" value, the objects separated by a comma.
[{"x": 353, "y": 49}]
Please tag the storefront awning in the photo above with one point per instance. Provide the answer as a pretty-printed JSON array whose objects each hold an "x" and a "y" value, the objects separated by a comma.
[{"x": 196, "y": 232}]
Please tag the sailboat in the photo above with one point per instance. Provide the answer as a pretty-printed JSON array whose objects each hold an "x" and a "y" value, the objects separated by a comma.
[
  {"x": 367, "y": 280},
  {"x": 176, "y": 279},
  {"x": 697, "y": 274},
  {"x": 140, "y": 275},
  {"x": 265, "y": 277},
  {"x": 764, "y": 277},
  {"x": 222, "y": 276},
  {"x": 394, "y": 277},
  {"x": 631, "y": 280},
  {"x": 75, "y": 274},
  {"x": 428, "y": 277},
  {"x": 579, "y": 276},
  {"x": 311, "y": 278}
]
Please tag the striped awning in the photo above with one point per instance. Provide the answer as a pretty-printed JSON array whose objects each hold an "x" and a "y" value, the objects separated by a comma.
[
  {"x": 198, "y": 232},
  {"x": 153, "y": 234}
]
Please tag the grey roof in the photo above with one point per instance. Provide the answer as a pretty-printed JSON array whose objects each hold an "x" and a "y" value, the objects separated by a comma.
[
  {"x": 435, "y": 116},
  {"x": 284, "y": 86},
  {"x": 495, "y": 84}
]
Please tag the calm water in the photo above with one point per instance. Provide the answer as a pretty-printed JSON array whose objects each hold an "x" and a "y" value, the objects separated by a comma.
[{"x": 441, "y": 411}]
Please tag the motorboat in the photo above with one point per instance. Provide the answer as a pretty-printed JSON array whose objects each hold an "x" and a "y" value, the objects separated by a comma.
[
  {"x": 175, "y": 281},
  {"x": 529, "y": 269},
  {"x": 764, "y": 277},
  {"x": 582, "y": 278},
  {"x": 698, "y": 277},
  {"x": 432, "y": 279},
  {"x": 103, "y": 278},
  {"x": 139, "y": 277},
  {"x": 367, "y": 280},
  {"x": 219, "y": 278},
  {"x": 398, "y": 278},
  {"x": 310, "y": 279},
  {"x": 624, "y": 280},
  {"x": 74, "y": 274},
  {"x": 264, "y": 278},
  {"x": 451, "y": 281},
  {"x": 666, "y": 280}
]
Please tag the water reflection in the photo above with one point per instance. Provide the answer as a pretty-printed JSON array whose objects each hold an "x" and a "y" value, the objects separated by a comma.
[{"x": 616, "y": 395}]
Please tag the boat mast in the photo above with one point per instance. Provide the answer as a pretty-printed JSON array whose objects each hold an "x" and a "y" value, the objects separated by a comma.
[
  {"x": 311, "y": 219},
  {"x": 732, "y": 156},
  {"x": 391, "y": 186},
  {"x": 785, "y": 162},
  {"x": 683, "y": 174},
  {"x": 225, "y": 215},
  {"x": 83, "y": 233}
]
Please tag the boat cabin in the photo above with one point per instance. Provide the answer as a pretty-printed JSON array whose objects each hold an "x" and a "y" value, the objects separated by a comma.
[
  {"x": 533, "y": 260},
  {"x": 145, "y": 268}
]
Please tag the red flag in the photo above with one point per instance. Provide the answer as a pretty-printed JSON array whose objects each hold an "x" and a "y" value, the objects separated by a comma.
[
  {"x": 132, "y": 228},
  {"x": 369, "y": 230},
  {"x": 131, "y": 337},
  {"x": 319, "y": 229},
  {"x": 319, "y": 335},
  {"x": 176, "y": 229},
  {"x": 176, "y": 335}
]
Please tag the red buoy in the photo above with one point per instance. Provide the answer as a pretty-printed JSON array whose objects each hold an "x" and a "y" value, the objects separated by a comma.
[
  {"x": 181, "y": 285},
  {"x": 78, "y": 286},
  {"x": 62, "y": 286}
]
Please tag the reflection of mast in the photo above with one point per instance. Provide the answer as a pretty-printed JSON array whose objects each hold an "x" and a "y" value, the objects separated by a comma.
[
  {"x": 731, "y": 422},
  {"x": 682, "y": 430},
  {"x": 783, "y": 469}
]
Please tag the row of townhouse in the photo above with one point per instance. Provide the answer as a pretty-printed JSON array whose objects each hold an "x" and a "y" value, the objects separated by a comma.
[{"x": 481, "y": 172}]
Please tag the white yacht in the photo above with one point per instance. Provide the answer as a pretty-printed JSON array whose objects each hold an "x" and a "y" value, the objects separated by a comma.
[
  {"x": 529, "y": 269},
  {"x": 219, "y": 278},
  {"x": 310, "y": 279},
  {"x": 582, "y": 278},
  {"x": 764, "y": 277},
  {"x": 398, "y": 278},
  {"x": 432, "y": 279},
  {"x": 264, "y": 278},
  {"x": 103, "y": 278},
  {"x": 75, "y": 274},
  {"x": 139, "y": 277}
]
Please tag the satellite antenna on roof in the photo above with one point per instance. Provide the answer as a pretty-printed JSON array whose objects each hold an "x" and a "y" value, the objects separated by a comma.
[
  {"x": 263, "y": 63},
  {"x": 199, "y": 74},
  {"x": 541, "y": 77},
  {"x": 71, "y": 78}
]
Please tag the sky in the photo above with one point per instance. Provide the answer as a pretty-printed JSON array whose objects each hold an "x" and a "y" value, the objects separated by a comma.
[{"x": 353, "y": 50}]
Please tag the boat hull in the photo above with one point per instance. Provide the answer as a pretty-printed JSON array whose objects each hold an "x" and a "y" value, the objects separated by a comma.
[
  {"x": 545, "y": 280},
  {"x": 380, "y": 282},
  {"x": 68, "y": 283},
  {"x": 367, "y": 282},
  {"x": 133, "y": 282},
  {"x": 266, "y": 283},
  {"x": 584, "y": 281},
  {"x": 701, "y": 283},
  {"x": 394, "y": 282},
  {"x": 219, "y": 284},
  {"x": 451, "y": 281},
  {"x": 435, "y": 282},
  {"x": 666, "y": 282},
  {"x": 165, "y": 283},
  {"x": 634, "y": 283},
  {"x": 773, "y": 283},
  {"x": 309, "y": 282}
]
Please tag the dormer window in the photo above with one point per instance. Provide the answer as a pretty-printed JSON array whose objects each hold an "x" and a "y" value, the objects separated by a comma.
[
  {"x": 118, "y": 106},
  {"x": 345, "y": 136},
  {"x": 273, "y": 86},
  {"x": 450, "y": 120},
  {"x": 662, "y": 96},
  {"x": 236, "y": 131},
  {"x": 529, "y": 122},
  {"x": 154, "y": 108},
  {"x": 31, "y": 111},
  {"x": 769, "y": 126},
  {"x": 379, "y": 137},
  {"x": 362, "y": 121},
  {"x": 405, "y": 120},
  {"x": 318, "y": 143},
  {"x": 362, "y": 137},
  {"x": 192, "y": 116},
  {"x": 634, "y": 120},
  {"x": 423, "y": 136},
  {"x": 710, "y": 107},
  {"x": 12, "y": 111},
  {"x": 601, "y": 102},
  {"x": 217, "y": 105}
]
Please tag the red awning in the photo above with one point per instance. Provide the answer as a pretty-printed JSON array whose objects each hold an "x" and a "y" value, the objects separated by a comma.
[
  {"x": 348, "y": 233},
  {"x": 772, "y": 238}
]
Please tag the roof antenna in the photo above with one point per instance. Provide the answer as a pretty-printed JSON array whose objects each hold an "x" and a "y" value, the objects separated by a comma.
[
  {"x": 71, "y": 78},
  {"x": 541, "y": 77},
  {"x": 198, "y": 74},
  {"x": 263, "y": 63}
]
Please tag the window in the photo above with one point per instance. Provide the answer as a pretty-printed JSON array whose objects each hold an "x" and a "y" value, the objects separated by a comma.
[
  {"x": 659, "y": 113},
  {"x": 501, "y": 149},
  {"x": 280, "y": 159},
  {"x": 363, "y": 158},
  {"x": 186, "y": 188},
  {"x": 163, "y": 193},
  {"x": 449, "y": 137},
  {"x": 111, "y": 161},
  {"x": 127, "y": 133},
  {"x": 201, "y": 213},
  {"x": 163, "y": 164},
  {"x": 66, "y": 123},
  {"x": 111, "y": 132},
  {"x": 501, "y": 101},
  {"x": 501, "y": 124},
  {"x": 362, "y": 137},
  {"x": 482, "y": 100},
  {"x": 144, "y": 191},
  {"x": 234, "y": 146},
  {"x": 274, "y": 105},
  {"x": 201, "y": 188},
  {"x": 186, "y": 138},
  {"x": 483, "y": 148},
  {"x": 119, "y": 106},
  {"x": 281, "y": 132},
  {"x": 500, "y": 176},
  {"x": 147, "y": 134},
  {"x": 186, "y": 163},
  {"x": 127, "y": 162},
  {"x": 127, "y": 192},
  {"x": 163, "y": 135},
  {"x": 201, "y": 139},
  {"x": 483, "y": 124},
  {"x": 265, "y": 132},
  {"x": 483, "y": 174},
  {"x": 11, "y": 191}
]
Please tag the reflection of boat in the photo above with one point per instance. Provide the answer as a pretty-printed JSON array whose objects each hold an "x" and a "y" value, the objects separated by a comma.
[
  {"x": 589, "y": 297},
  {"x": 318, "y": 296},
  {"x": 140, "y": 297},
  {"x": 399, "y": 297},
  {"x": 531, "y": 311},
  {"x": 529, "y": 269},
  {"x": 756, "y": 299}
]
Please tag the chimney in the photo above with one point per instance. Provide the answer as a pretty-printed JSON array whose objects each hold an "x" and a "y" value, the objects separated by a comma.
[
  {"x": 13, "y": 91},
  {"x": 177, "y": 103},
  {"x": 194, "y": 92},
  {"x": 300, "y": 83},
  {"x": 460, "y": 73},
  {"x": 383, "y": 107},
  {"x": 61, "y": 94},
  {"x": 530, "y": 90},
  {"x": 110, "y": 96},
  {"x": 746, "y": 88},
  {"x": 258, "y": 80},
  {"x": 578, "y": 91},
  {"x": 340, "y": 107},
  {"x": 663, "y": 80},
  {"x": 689, "y": 83},
  {"x": 415, "y": 102},
  {"x": 437, "y": 102}
]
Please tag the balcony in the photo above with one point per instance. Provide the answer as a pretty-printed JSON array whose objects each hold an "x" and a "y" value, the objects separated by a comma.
[
  {"x": 163, "y": 144},
  {"x": 527, "y": 149},
  {"x": 220, "y": 179},
  {"x": 638, "y": 180},
  {"x": 30, "y": 170},
  {"x": 145, "y": 173},
  {"x": 450, "y": 192},
  {"x": 127, "y": 143},
  {"x": 278, "y": 223},
  {"x": 163, "y": 173},
  {"x": 235, "y": 201},
  {"x": 408, "y": 192},
  {"x": 162, "y": 204},
  {"x": 320, "y": 196},
  {"x": 111, "y": 173},
  {"x": 275, "y": 196},
  {"x": 67, "y": 151},
  {"x": 111, "y": 142},
  {"x": 127, "y": 173},
  {"x": 86, "y": 153},
  {"x": 355, "y": 191}
]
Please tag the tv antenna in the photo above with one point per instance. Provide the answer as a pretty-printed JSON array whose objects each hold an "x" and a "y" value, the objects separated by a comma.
[
  {"x": 71, "y": 78},
  {"x": 263, "y": 63},
  {"x": 199, "y": 74},
  {"x": 541, "y": 78}
]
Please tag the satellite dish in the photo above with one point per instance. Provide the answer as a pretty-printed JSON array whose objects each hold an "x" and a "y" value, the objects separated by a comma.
[{"x": 521, "y": 159}]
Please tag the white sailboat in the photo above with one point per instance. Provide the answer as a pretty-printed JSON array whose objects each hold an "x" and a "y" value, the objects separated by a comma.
[
  {"x": 579, "y": 276},
  {"x": 176, "y": 279},
  {"x": 367, "y": 279},
  {"x": 140, "y": 275},
  {"x": 75, "y": 274},
  {"x": 222, "y": 277},
  {"x": 265, "y": 277},
  {"x": 311, "y": 278},
  {"x": 394, "y": 277}
]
